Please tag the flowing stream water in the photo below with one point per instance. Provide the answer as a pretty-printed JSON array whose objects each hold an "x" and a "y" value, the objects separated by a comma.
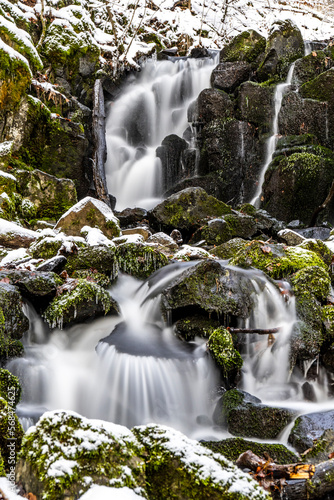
[{"x": 153, "y": 105}]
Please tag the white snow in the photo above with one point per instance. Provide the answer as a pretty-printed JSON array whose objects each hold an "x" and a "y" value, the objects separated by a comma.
[
  {"x": 95, "y": 237},
  {"x": 14, "y": 54},
  {"x": 102, "y": 207},
  {"x": 129, "y": 238},
  {"x": 188, "y": 252},
  {"x": 5, "y": 149},
  {"x": 14, "y": 255},
  {"x": 21, "y": 37},
  {"x": 106, "y": 493},
  {"x": 10, "y": 227},
  {"x": 9, "y": 490}
]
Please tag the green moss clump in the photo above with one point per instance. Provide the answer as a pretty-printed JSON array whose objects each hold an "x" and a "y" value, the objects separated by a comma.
[
  {"x": 139, "y": 260},
  {"x": 276, "y": 260},
  {"x": 101, "y": 258},
  {"x": 10, "y": 388},
  {"x": 244, "y": 47},
  {"x": 320, "y": 248},
  {"x": 221, "y": 346},
  {"x": 94, "y": 276},
  {"x": 15, "y": 76},
  {"x": 46, "y": 248},
  {"x": 229, "y": 249},
  {"x": 327, "y": 316},
  {"x": 320, "y": 88},
  {"x": 232, "y": 448},
  {"x": 314, "y": 280}
]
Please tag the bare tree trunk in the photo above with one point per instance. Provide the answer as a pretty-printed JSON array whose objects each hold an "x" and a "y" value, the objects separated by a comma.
[
  {"x": 41, "y": 40},
  {"x": 99, "y": 140}
]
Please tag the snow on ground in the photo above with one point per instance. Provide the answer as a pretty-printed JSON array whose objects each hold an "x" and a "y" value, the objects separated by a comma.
[
  {"x": 106, "y": 493},
  {"x": 8, "y": 490}
]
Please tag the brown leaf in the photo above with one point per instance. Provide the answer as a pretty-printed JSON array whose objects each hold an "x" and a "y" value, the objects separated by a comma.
[
  {"x": 5, "y": 280},
  {"x": 266, "y": 249},
  {"x": 331, "y": 455},
  {"x": 314, "y": 54}
]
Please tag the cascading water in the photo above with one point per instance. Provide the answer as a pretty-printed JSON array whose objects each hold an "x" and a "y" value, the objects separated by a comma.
[
  {"x": 272, "y": 141},
  {"x": 154, "y": 104}
]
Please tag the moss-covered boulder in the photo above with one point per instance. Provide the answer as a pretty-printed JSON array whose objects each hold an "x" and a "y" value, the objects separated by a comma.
[
  {"x": 13, "y": 322},
  {"x": 10, "y": 389},
  {"x": 101, "y": 258},
  {"x": 309, "y": 428},
  {"x": 195, "y": 326},
  {"x": 218, "y": 231},
  {"x": 84, "y": 300},
  {"x": 309, "y": 67},
  {"x": 247, "y": 46},
  {"x": 89, "y": 212},
  {"x": 255, "y": 105},
  {"x": 11, "y": 434},
  {"x": 7, "y": 183},
  {"x": 186, "y": 210},
  {"x": 320, "y": 248},
  {"x": 284, "y": 45},
  {"x": 14, "y": 236},
  {"x": 45, "y": 248},
  {"x": 139, "y": 260},
  {"x": 178, "y": 467},
  {"x": 248, "y": 418},
  {"x": 304, "y": 176},
  {"x": 276, "y": 260},
  {"x": 222, "y": 350},
  {"x": 319, "y": 88},
  {"x": 214, "y": 104},
  {"x": 227, "y": 76},
  {"x": 209, "y": 287},
  {"x": 232, "y": 448},
  {"x": 323, "y": 446},
  {"x": 229, "y": 249},
  {"x": 66, "y": 454},
  {"x": 51, "y": 196}
]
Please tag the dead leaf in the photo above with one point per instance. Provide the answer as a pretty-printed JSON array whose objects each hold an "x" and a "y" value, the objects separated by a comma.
[
  {"x": 331, "y": 455},
  {"x": 314, "y": 54},
  {"x": 5, "y": 280},
  {"x": 266, "y": 249}
]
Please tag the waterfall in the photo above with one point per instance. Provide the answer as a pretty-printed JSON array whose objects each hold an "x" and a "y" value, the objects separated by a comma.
[
  {"x": 272, "y": 141},
  {"x": 153, "y": 105}
]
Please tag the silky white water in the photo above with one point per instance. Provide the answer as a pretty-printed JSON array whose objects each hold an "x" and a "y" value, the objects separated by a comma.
[{"x": 153, "y": 105}]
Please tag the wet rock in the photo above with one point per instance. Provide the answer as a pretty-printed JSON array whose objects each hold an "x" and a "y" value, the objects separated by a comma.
[
  {"x": 255, "y": 105},
  {"x": 101, "y": 258},
  {"x": 284, "y": 45},
  {"x": 51, "y": 196},
  {"x": 276, "y": 260},
  {"x": 198, "y": 52},
  {"x": 289, "y": 237},
  {"x": 188, "y": 252},
  {"x": 305, "y": 176},
  {"x": 13, "y": 322},
  {"x": 210, "y": 287},
  {"x": 32, "y": 284},
  {"x": 55, "y": 264},
  {"x": 309, "y": 67},
  {"x": 14, "y": 236},
  {"x": 320, "y": 88},
  {"x": 232, "y": 448},
  {"x": 131, "y": 216},
  {"x": 247, "y": 46},
  {"x": 244, "y": 417},
  {"x": 186, "y": 210},
  {"x": 221, "y": 347},
  {"x": 89, "y": 212},
  {"x": 212, "y": 104},
  {"x": 164, "y": 242},
  {"x": 227, "y": 76},
  {"x": 228, "y": 249},
  {"x": 85, "y": 300},
  {"x": 195, "y": 326},
  {"x": 318, "y": 233},
  {"x": 139, "y": 260},
  {"x": 310, "y": 427},
  {"x": 309, "y": 392},
  {"x": 267, "y": 223},
  {"x": 218, "y": 231},
  {"x": 171, "y": 153}
]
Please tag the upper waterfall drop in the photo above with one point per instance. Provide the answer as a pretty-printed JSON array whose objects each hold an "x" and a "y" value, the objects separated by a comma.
[{"x": 153, "y": 105}]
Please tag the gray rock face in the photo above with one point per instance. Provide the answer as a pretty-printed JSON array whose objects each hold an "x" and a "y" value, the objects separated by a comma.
[
  {"x": 171, "y": 153},
  {"x": 212, "y": 104},
  {"x": 255, "y": 104},
  {"x": 310, "y": 427},
  {"x": 14, "y": 321},
  {"x": 229, "y": 75}
]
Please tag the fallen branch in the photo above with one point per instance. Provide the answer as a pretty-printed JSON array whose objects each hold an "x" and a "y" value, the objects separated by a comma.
[{"x": 260, "y": 331}]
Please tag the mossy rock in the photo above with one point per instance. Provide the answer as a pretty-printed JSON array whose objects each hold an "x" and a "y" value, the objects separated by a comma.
[
  {"x": 10, "y": 389},
  {"x": 218, "y": 231},
  {"x": 50, "y": 196},
  {"x": 311, "y": 66},
  {"x": 186, "y": 210},
  {"x": 212, "y": 104},
  {"x": 195, "y": 326},
  {"x": 320, "y": 248},
  {"x": 320, "y": 88},
  {"x": 15, "y": 76},
  {"x": 284, "y": 45},
  {"x": 314, "y": 280},
  {"x": 327, "y": 316},
  {"x": 7, "y": 183},
  {"x": 278, "y": 261},
  {"x": 309, "y": 428},
  {"x": 255, "y": 105},
  {"x": 92, "y": 275},
  {"x": 11, "y": 434},
  {"x": 33, "y": 285},
  {"x": 304, "y": 176},
  {"x": 13, "y": 322},
  {"x": 247, "y": 46},
  {"x": 139, "y": 260},
  {"x": 45, "y": 248},
  {"x": 101, "y": 258},
  {"x": 210, "y": 287},
  {"x": 323, "y": 447},
  {"x": 229, "y": 249},
  {"x": 246, "y": 418},
  {"x": 86, "y": 300},
  {"x": 232, "y": 448},
  {"x": 178, "y": 467},
  {"x": 64, "y": 454},
  {"x": 222, "y": 350}
]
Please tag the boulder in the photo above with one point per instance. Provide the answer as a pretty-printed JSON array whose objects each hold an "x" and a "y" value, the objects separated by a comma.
[
  {"x": 195, "y": 326},
  {"x": 255, "y": 105},
  {"x": 244, "y": 415},
  {"x": 101, "y": 258},
  {"x": 78, "y": 301},
  {"x": 320, "y": 248},
  {"x": 186, "y": 210},
  {"x": 222, "y": 350},
  {"x": 309, "y": 67},
  {"x": 89, "y": 212},
  {"x": 55, "y": 264},
  {"x": 13, "y": 322},
  {"x": 228, "y": 249},
  {"x": 33, "y": 285},
  {"x": 50, "y": 196},
  {"x": 227, "y": 76},
  {"x": 304, "y": 176},
  {"x": 209, "y": 287},
  {"x": 247, "y": 46},
  {"x": 14, "y": 236},
  {"x": 309, "y": 428},
  {"x": 163, "y": 242},
  {"x": 290, "y": 237},
  {"x": 138, "y": 259},
  {"x": 218, "y": 231},
  {"x": 320, "y": 87},
  {"x": 130, "y": 216},
  {"x": 171, "y": 153},
  {"x": 277, "y": 260},
  {"x": 213, "y": 104},
  {"x": 284, "y": 45}
]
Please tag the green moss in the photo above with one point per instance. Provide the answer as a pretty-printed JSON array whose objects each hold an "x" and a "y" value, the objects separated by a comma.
[
  {"x": 46, "y": 248},
  {"x": 327, "y": 316},
  {"x": 139, "y": 260},
  {"x": 320, "y": 248},
  {"x": 11, "y": 434},
  {"x": 244, "y": 47},
  {"x": 314, "y": 280},
  {"x": 9, "y": 347},
  {"x": 232, "y": 448},
  {"x": 101, "y": 258},
  {"x": 229, "y": 249},
  {"x": 15, "y": 76},
  {"x": 20, "y": 43},
  {"x": 221, "y": 346},
  {"x": 10, "y": 389},
  {"x": 320, "y": 88},
  {"x": 94, "y": 276}
]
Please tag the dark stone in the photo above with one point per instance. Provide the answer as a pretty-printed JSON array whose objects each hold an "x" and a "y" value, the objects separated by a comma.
[
  {"x": 171, "y": 153},
  {"x": 218, "y": 231},
  {"x": 228, "y": 76},
  {"x": 130, "y": 216},
  {"x": 55, "y": 265},
  {"x": 247, "y": 46},
  {"x": 309, "y": 428},
  {"x": 212, "y": 104},
  {"x": 311, "y": 66},
  {"x": 198, "y": 52},
  {"x": 255, "y": 105},
  {"x": 211, "y": 288},
  {"x": 317, "y": 233},
  {"x": 13, "y": 323},
  {"x": 195, "y": 326},
  {"x": 309, "y": 392}
]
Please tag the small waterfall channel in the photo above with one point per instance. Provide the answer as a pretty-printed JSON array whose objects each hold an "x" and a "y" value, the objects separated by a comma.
[
  {"x": 153, "y": 105},
  {"x": 141, "y": 372}
]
